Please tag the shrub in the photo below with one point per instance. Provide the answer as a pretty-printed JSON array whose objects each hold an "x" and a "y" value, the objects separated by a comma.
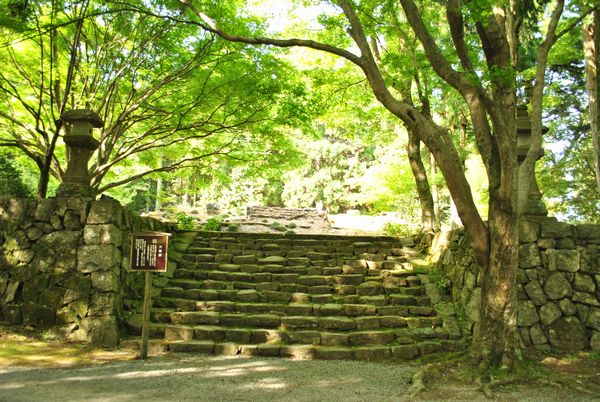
[
  {"x": 396, "y": 229},
  {"x": 11, "y": 179},
  {"x": 440, "y": 281},
  {"x": 277, "y": 226},
  {"x": 185, "y": 222},
  {"x": 213, "y": 224}
]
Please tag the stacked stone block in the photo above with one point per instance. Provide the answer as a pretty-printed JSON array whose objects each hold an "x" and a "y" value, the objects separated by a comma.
[
  {"x": 63, "y": 265},
  {"x": 558, "y": 282},
  {"x": 256, "y": 212}
]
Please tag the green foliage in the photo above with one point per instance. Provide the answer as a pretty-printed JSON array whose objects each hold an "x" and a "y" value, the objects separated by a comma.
[
  {"x": 131, "y": 69},
  {"x": 278, "y": 227},
  {"x": 330, "y": 175},
  {"x": 233, "y": 227},
  {"x": 213, "y": 224},
  {"x": 185, "y": 222},
  {"x": 389, "y": 185},
  {"x": 396, "y": 229},
  {"x": 440, "y": 281},
  {"x": 595, "y": 356},
  {"x": 565, "y": 174},
  {"x": 15, "y": 13},
  {"x": 291, "y": 225},
  {"x": 12, "y": 183}
]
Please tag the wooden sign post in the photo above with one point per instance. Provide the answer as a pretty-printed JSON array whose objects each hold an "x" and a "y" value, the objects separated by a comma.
[{"x": 148, "y": 254}]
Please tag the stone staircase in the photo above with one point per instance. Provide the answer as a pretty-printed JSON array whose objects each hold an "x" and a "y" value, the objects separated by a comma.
[{"x": 300, "y": 296}]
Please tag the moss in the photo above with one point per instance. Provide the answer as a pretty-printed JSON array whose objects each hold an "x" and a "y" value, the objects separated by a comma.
[
  {"x": 277, "y": 226},
  {"x": 233, "y": 227}
]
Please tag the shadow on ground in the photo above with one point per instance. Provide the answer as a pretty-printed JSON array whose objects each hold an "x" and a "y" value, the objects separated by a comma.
[
  {"x": 198, "y": 378},
  {"x": 36, "y": 369}
]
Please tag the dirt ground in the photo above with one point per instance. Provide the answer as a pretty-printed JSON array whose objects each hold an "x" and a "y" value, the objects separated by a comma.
[{"x": 36, "y": 369}]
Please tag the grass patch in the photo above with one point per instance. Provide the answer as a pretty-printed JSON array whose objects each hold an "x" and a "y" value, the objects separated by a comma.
[{"x": 18, "y": 348}]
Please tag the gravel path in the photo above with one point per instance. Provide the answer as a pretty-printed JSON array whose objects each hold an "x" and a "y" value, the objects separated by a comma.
[{"x": 208, "y": 378}]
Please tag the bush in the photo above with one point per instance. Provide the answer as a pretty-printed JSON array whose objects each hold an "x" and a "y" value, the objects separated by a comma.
[
  {"x": 11, "y": 179},
  {"x": 291, "y": 225},
  {"x": 233, "y": 227},
  {"x": 277, "y": 226},
  {"x": 396, "y": 229},
  {"x": 213, "y": 224},
  {"x": 440, "y": 281},
  {"x": 185, "y": 222}
]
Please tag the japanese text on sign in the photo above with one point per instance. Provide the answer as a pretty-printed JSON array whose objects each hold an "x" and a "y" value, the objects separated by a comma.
[{"x": 149, "y": 252}]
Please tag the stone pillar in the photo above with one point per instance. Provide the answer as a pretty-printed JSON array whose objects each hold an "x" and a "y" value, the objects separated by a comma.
[
  {"x": 80, "y": 147},
  {"x": 534, "y": 206}
]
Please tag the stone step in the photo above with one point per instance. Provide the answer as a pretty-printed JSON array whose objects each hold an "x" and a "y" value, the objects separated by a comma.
[
  {"x": 270, "y": 292},
  {"x": 309, "y": 351},
  {"x": 281, "y": 241},
  {"x": 208, "y": 261},
  {"x": 295, "y": 247},
  {"x": 346, "y": 283},
  {"x": 295, "y": 335},
  {"x": 348, "y": 264},
  {"x": 294, "y": 309},
  {"x": 290, "y": 257},
  {"x": 275, "y": 320},
  {"x": 326, "y": 297},
  {"x": 133, "y": 325}
]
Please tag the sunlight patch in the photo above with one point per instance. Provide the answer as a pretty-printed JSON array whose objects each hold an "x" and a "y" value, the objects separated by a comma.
[
  {"x": 266, "y": 383},
  {"x": 158, "y": 373}
]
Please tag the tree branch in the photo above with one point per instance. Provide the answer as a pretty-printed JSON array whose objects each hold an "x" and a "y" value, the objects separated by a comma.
[
  {"x": 169, "y": 168},
  {"x": 210, "y": 25}
]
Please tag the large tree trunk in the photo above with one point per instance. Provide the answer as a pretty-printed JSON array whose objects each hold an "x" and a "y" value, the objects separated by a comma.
[
  {"x": 413, "y": 149},
  {"x": 435, "y": 192},
  {"x": 591, "y": 45},
  {"x": 495, "y": 337}
]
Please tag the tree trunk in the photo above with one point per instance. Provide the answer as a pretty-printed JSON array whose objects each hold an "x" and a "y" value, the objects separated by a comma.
[
  {"x": 435, "y": 192},
  {"x": 42, "y": 189},
  {"x": 413, "y": 149},
  {"x": 158, "y": 201},
  {"x": 46, "y": 167},
  {"x": 495, "y": 337},
  {"x": 591, "y": 45}
]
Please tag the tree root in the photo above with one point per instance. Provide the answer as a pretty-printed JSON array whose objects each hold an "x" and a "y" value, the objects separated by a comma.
[
  {"x": 417, "y": 381},
  {"x": 558, "y": 382},
  {"x": 484, "y": 388}
]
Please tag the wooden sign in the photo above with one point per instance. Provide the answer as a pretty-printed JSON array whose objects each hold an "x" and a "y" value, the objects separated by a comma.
[{"x": 149, "y": 251}]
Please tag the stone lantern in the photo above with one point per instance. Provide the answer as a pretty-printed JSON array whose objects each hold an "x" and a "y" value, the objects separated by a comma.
[
  {"x": 534, "y": 205},
  {"x": 81, "y": 145}
]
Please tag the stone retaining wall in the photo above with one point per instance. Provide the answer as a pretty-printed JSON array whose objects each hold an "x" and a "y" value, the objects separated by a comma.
[
  {"x": 255, "y": 212},
  {"x": 64, "y": 265},
  {"x": 558, "y": 282}
]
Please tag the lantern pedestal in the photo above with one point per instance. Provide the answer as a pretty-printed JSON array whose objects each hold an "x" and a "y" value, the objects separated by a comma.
[{"x": 81, "y": 145}]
